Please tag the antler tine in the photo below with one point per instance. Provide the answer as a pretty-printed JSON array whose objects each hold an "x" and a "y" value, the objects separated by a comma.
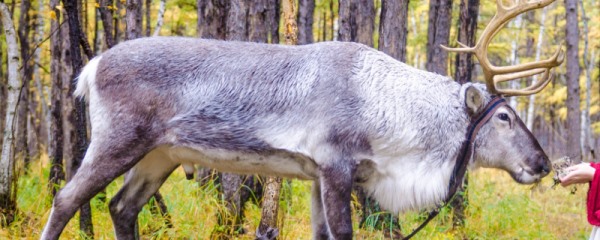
[
  {"x": 557, "y": 58},
  {"x": 537, "y": 87},
  {"x": 513, "y": 76}
]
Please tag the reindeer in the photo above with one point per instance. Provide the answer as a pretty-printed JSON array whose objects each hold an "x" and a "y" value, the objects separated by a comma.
[{"x": 336, "y": 113}]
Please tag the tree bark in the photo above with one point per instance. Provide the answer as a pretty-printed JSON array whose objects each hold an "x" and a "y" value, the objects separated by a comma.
[
  {"x": 306, "y": 9},
  {"x": 77, "y": 118},
  {"x": 257, "y": 16},
  {"x": 148, "y": 17},
  {"x": 133, "y": 18},
  {"x": 55, "y": 142},
  {"x": 392, "y": 28},
  {"x": 212, "y": 16},
  {"x": 273, "y": 20},
  {"x": 21, "y": 148},
  {"x": 438, "y": 31},
  {"x": 107, "y": 22},
  {"x": 573, "y": 99},
  {"x": 8, "y": 179},
  {"x": 356, "y": 21},
  {"x": 117, "y": 21}
]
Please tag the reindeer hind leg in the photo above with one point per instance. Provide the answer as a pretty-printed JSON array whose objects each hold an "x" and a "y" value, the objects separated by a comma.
[{"x": 141, "y": 182}]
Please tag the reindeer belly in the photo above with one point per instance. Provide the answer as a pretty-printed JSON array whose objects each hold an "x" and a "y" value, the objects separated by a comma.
[{"x": 274, "y": 162}]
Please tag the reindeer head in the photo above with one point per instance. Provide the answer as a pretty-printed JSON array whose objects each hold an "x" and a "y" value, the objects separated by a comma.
[{"x": 504, "y": 141}]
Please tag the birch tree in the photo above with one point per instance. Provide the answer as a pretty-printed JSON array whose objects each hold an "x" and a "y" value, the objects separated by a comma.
[
  {"x": 8, "y": 179},
  {"x": 588, "y": 65},
  {"x": 538, "y": 50}
]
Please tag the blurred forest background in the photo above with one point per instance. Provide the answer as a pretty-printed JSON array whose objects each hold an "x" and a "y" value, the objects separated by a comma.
[{"x": 46, "y": 42}]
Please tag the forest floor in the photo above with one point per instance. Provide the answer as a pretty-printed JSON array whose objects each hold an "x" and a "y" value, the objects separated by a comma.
[{"x": 498, "y": 208}]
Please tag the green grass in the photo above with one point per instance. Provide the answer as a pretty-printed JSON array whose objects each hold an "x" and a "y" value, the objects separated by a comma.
[{"x": 498, "y": 209}]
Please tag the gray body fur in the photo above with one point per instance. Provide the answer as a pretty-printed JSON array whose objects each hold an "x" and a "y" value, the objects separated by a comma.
[{"x": 337, "y": 113}]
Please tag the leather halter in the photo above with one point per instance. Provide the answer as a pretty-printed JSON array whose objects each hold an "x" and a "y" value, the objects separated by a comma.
[{"x": 462, "y": 160}]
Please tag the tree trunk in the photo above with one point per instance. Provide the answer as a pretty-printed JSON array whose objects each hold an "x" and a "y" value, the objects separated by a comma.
[
  {"x": 77, "y": 117},
  {"x": 306, "y": 9},
  {"x": 160, "y": 17},
  {"x": 365, "y": 20},
  {"x": 392, "y": 28},
  {"x": 107, "y": 22},
  {"x": 573, "y": 99},
  {"x": 257, "y": 29},
  {"x": 55, "y": 142},
  {"x": 538, "y": 51},
  {"x": 438, "y": 31},
  {"x": 347, "y": 20},
  {"x": 514, "y": 57},
  {"x": 133, "y": 18},
  {"x": 45, "y": 114},
  {"x": 148, "y": 17},
  {"x": 8, "y": 181},
  {"x": 273, "y": 20},
  {"x": 117, "y": 21},
  {"x": 469, "y": 11},
  {"x": 212, "y": 16},
  {"x": 588, "y": 59},
  {"x": 21, "y": 148},
  {"x": 268, "y": 227},
  {"x": 356, "y": 21}
]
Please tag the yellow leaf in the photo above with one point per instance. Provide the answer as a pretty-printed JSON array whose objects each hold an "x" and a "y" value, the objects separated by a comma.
[
  {"x": 59, "y": 7},
  {"x": 52, "y": 15},
  {"x": 97, "y": 5}
]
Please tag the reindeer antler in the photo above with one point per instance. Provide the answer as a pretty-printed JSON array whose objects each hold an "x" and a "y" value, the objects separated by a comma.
[{"x": 494, "y": 74}]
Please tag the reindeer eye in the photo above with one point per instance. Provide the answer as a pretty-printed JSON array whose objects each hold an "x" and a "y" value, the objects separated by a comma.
[{"x": 503, "y": 116}]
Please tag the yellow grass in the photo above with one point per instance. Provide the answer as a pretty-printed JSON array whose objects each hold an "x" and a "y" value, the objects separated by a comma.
[{"x": 498, "y": 209}]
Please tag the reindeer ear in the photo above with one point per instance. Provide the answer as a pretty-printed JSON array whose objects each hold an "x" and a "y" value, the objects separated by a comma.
[{"x": 473, "y": 100}]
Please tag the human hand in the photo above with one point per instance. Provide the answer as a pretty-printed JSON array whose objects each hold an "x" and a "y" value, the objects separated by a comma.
[{"x": 580, "y": 173}]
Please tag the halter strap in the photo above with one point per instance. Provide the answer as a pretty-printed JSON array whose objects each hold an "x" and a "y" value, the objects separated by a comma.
[{"x": 462, "y": 160}]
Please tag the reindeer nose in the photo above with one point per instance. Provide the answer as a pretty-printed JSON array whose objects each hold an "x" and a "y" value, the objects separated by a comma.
[{"x": 543, "y": 164}]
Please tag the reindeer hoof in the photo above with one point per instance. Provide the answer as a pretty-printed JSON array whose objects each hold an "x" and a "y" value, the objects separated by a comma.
[
  {"x": 189, "y": 176},
  {"x": 270, "y": 234}
]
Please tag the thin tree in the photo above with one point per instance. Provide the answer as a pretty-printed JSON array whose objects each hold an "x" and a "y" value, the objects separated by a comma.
[
  {"x": 438, "y": 32},
  {"x": 469, "y": 11},
  {"x": 538, "y": 52},
  {"x": 588, "y": 60},
  {"x": 22, "y": 148},
  {"x": 55, "y": 143},
  {"x": 268, "y": 227},
  {"x": 107, "y": 22},
  {"x": 77, "y": 119},
  {"x": 306, "y": 9},
  {"x": 160, "y": 17},
  {"x": 8, "y": 188},
  {"x": 573, "y": 99}
]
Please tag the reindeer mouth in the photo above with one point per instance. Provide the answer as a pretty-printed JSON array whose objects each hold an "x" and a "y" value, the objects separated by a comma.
[{"x": 525, "y": 175}]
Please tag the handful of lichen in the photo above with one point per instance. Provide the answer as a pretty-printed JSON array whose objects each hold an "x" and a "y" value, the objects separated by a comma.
[{"x": 560, "y": 170}]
